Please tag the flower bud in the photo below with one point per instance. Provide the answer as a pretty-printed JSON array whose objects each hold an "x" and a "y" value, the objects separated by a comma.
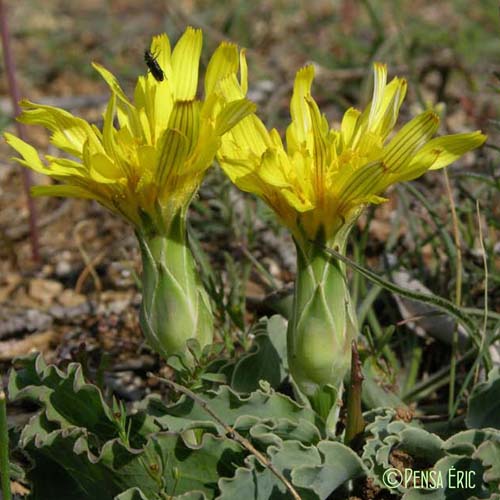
[
  {"x": 321, "y": 329},
  {"x": 175, "y": 306}
]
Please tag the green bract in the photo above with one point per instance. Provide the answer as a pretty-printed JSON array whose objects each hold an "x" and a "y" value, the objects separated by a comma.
[
  {"x": 321, "y": 329},
  {"x": 175, "y": 306}
]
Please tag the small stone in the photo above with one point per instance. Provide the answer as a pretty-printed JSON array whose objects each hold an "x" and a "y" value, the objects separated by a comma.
[
  {"x": 63, "y": 268},
  {"x": 69, "y": 298},
  {"x": 44, "y": 291}
]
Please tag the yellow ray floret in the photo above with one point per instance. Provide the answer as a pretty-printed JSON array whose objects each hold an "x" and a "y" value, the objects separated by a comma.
[
  {"x": 151, "y": 154},
  {"x": 320, "y": 182}
]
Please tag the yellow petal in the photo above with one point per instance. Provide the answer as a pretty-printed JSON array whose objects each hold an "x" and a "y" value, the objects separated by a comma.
[
  {"x": 242, "y": 173},
  {"x": 64, "y": 167},
  {"x": 270, "y": 170},
  {"x": 185, "y": 64},
  {"x": 112, "y": 82},
  {"x": 418, "y": 166},
  {"x": 387, "y": 116},
  {"x": 379, "y": 82},
  {"x": 451, "y": 147},
  {"x": 232, "y": 114},
  {"x": 147, "y": 134},
  {"x": 127, "y": 113},
  {"x": 439, "y": 153},
  {"x": 174, "y": 147},
  {"x": 103, "y": 170},
  {"x": 28, "y": 152},
  {"x": 321, "y": 151},
  {"x": 108, "y": 130},
  {"x": 412, "y": 136},
  {"x": 185, "y": 118},
  {"x": 147, "y": 156},
  {"x": 160, "y": 48},
  {"x": 203, "y": 155},
  {"x": 349, "y": 125},
  {"x": 230, "y": 88},
  {"x": 249, "y": 135},
  {"x": 156, "y": 100},
  {"x": 275, "y": 138},
  {"x": 157, "y": 96},
  {"x": 359, "y": 183},
  {"x": 69, "y": 132},
  {"x": 223, "y": 63},
  {"x": 62, "y": 190},
  {"x": 300, "y": 204},
  {"x": 301, "y": 120},
  {"x": 243, "y": 72}
]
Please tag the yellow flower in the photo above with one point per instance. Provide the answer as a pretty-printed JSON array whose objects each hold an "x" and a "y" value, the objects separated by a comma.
[
  {"x": 148, "y": 166},
  {"x": 317, "y": 186},
  {"x": 321, "y": 181}
]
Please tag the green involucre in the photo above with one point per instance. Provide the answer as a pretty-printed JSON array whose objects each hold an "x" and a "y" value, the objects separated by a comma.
[
  {"x": 175, "y": 306},
  {"x": 322, "y": 327}
]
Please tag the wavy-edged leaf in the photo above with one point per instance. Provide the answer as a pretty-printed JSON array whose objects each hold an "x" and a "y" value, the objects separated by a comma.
[
  {"x": 259, "y": 483},
  {"x": 189, "y": 467},
  {"x": 66, "y": 457},
  {"x": 137, "y": 494},
  {"x": 339, "y": 464},
  {"x": 131, "y": 494},
  {"x": 230, "y": 407},
  {"x": 275, "y": 431},
  {"x": 489, "y": 454},
  {"x": 66, "y": 398},
  {"x": 472, "y": 450},
  {"x": 484, "y": 403},
  {"x": 466, "y": 442},
  {"x": 266, "y": 361},
  {"x": 453, "y": 469}
]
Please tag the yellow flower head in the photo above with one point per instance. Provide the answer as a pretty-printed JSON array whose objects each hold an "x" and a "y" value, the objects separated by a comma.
[
  {"x": 319, "y": 184},
  {"x": 149, "y": 164}
]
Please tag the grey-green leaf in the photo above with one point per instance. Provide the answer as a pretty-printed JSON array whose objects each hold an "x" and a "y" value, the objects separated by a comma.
[
  {"x": 484, "y": 403},
  {"x": 339, "y": 464},
  {"x": 267, "y": 361}
]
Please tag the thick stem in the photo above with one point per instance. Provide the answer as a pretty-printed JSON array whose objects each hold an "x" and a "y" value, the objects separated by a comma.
[
  {"x": 321, "y": 328},
  {"x": 175, "y": 307}
]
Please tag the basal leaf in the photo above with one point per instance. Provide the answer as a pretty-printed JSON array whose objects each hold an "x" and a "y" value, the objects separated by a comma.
[
  {"x": 259, "y": 483},
  {"x": 266, "y": 361},
  {"x": 484, "y": 403},
  {"x": 66, "y": 398},
  {"x": 231, "y": 408},
  {"x": 339, "y": 464}
]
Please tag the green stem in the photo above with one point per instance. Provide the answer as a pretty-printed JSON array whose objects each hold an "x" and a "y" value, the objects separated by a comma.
[{"x": 4, "y": 449}]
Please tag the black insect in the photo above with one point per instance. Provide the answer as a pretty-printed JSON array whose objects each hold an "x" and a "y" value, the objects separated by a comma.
[{"x": 153, "y": 66}]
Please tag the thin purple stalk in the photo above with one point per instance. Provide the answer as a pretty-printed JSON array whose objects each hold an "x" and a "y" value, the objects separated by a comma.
[
  {"x": 355, "y": 422},
  {"x": 15, "y": 96}
]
